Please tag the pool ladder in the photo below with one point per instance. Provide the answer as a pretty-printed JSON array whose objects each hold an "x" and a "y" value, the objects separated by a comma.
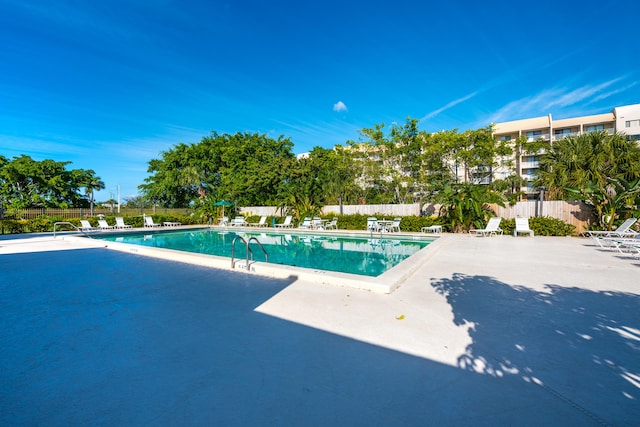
[
  {"x": 56, "y": 224},
  {"x": 249, "y": 251}
]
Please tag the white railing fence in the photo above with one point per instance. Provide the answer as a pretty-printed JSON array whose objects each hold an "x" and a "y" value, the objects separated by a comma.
[{"x": 577, "y": 214}]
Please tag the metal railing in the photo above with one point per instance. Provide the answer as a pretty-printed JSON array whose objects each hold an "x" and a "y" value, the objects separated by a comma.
[
  {"x": 80, "y": 230},
  {"x": 248, "y": 250}
]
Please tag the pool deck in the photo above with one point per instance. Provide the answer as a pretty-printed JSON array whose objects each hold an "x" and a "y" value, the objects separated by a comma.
[{"x": 486, "y": 331}]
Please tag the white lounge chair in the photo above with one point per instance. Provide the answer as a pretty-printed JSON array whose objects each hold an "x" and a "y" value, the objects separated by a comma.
[
  {"x": 286, "y": 223},
  {"x": 433, "y": 229},
  {"x": 238, "y": 221},
  {"x": 120, "y": 223},
  {"x": 85, "y": 225},
  {"x": 492, "y": 228},
  {"x": 103, "y": 225},
  {"x": 224, "y": 221},
  {"x": 171, "y": 224},
  {"x": 148, "y": 222},
  {"x": 618, "y": 242},
  {"x": 623, "y": 231},
  {"x": 305, "y": 223},
  {"x": 522, "y": 226},
  {"x": 261, "y": 223}
]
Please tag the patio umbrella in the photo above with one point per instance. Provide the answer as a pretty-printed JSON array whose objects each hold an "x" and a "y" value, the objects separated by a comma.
[{"x": 223, "y": 203}]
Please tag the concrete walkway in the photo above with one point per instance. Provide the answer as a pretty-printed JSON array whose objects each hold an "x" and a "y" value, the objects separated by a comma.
[{"x": 489, "y": 331}]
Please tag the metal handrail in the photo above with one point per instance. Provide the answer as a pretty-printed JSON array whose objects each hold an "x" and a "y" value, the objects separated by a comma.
[
  {"x": 71, "y": 224},
  {"x": 248, "y": 249}
]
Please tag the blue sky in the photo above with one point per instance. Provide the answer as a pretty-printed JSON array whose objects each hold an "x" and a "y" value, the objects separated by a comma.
[{"x": 110, "y": 85}]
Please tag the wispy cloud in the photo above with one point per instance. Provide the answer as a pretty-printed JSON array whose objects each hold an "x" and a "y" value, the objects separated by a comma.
[
  {"x": 449, "y": 105},
  {"x": 339, "y": 106},
  {"x": 613, "y": 92},
  {"x": 556, "y": 98}
]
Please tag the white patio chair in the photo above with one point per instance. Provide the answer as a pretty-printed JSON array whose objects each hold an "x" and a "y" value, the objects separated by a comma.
[
  {"x": 333, "y": 224},
  {"x": 372, "y": 224},
  {"x": 623, "y": 231},
  {"x": 238, "y": 221},
  {"x": 120, "y": 223},
  {"x": 492, "y": 228},
  {"x": 85, "y": 225},
  {"x": 286, "y": 223},
  {"x": 395, "y": 226},
  {"x": 103, "y": 225},
  {"x": 522, "y": 226},
  {"x": 261, "y": 223},
  {"x": 305, "y": 223},
  {"x": 148, "y": 222}
]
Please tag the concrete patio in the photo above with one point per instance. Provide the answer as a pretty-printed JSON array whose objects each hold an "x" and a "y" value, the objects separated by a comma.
[{"x": 488, "y": 331}]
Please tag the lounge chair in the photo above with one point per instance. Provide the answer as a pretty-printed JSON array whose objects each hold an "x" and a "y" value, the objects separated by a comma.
[
  {"x": 617, "y": 242},
  {"x": 492, "y": 228},
  {"x": 305, "y": 223},
  {"x": 148, "y": 222},
  {"x": 333, "y": 224},
  {"x": 238, "y": 221},
  {"x": 372, "y": 224},
  {"x": 433, "y": 229},
  {"x": 286, "y": 223},
  {"x": 261, "y": 223},
  {"x": 85, "y": 225},
  {"x": 623, "y": 231},
  {"x": 522, "y": 226},
  {"x": 120, "y": 223},
  {"x": 103, "y": 225},
  {"x": 631, "y": 246},
  {"x": 224, "y": 221}
]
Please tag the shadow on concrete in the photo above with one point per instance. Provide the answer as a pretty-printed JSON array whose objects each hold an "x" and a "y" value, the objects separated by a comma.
[
  {"x": 99, "y": 337},
  {"x": 580, "y": 345}
]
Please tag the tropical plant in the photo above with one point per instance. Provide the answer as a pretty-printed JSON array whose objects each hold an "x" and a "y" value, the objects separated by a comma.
[
  {"x": 619, "y": 196},
  {"x": 465, "y": 206},
  {"x": 91, "y": 183},
  {"x": 599, "y": 168}
]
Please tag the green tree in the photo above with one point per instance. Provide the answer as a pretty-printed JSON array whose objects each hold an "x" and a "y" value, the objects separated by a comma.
[
  {"x": 243, "y": 168},
  {"x": 91, "y": 183},
  {"x": 27, "y": 183},
  {"x": 592, "y": 167}
]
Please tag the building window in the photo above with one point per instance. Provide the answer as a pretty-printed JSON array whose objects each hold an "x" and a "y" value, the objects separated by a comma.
[
  {"x": 505, "y": 138},
  {"x": 562, "y": 132},
  {"x": 630, "y": 123},
  {"x": 594, "y": 128},
  {"x": 533, "y": 135}
]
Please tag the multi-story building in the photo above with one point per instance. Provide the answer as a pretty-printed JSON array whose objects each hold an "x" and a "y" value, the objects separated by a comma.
[{"x": 624, "y": 119}]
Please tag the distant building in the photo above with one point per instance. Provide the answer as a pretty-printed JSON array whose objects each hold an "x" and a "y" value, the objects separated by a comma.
[{"x": 624, "y": 119}]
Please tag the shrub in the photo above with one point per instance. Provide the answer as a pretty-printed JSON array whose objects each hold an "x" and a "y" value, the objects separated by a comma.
[{"x": 547, "y": 226}]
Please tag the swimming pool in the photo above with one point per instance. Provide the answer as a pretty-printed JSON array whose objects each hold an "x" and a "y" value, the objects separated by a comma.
[{"x": 363, "y": 255}]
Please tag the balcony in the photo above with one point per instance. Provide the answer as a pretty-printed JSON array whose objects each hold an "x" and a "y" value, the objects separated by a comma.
[
  {"x": 533, "y": 138},
  {"x": 564, "y": 135},
  {"x": 529, "y": 164}
]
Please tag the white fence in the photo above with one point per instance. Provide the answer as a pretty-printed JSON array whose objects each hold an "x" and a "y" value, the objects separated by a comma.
[
  {"x": 577, "y": 214},
  {"x": 390, "y": 210}
]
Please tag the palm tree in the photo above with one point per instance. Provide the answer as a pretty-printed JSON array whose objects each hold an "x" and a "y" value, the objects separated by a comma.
[
  {"x": 92, "y": 183},
  {"x": 584, "y": 167},
  {"x": 465, "y": 206}
]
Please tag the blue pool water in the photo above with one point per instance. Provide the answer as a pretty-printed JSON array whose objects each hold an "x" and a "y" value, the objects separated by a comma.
[{"x": 356, "y": 255}]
